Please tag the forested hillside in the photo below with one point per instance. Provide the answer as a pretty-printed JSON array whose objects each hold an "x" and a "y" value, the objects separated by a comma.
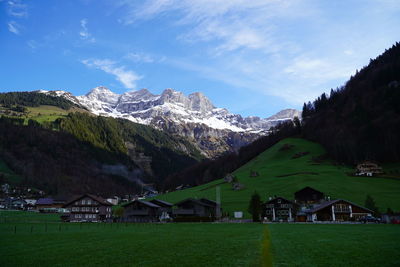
[
  {"x": 33, "y": 99},
  {"x": 360, "y": 120}
]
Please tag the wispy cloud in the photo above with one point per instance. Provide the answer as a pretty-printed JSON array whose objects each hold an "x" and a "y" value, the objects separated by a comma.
[
  {"x": 140, "y": 57},
  {"x": 84, "y": 32},
  {"x": 13, "y": 27},
  {"x": 127, "y": 77},
  {"x": 291, "y": 49},
  {"x": 16, "y": 8}
]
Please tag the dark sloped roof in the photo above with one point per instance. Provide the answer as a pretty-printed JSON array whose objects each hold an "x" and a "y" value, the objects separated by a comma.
[
  {"x": 161, "y": 202},
  {"x": 45, "y": 201},
  {"x": 97, "y": 198},
  {"x": 308, "y": 188},
  {"x": 280, "y": 198},
  {"x": 146, "y": 203},
  {"x": 328, "y": 203},
  {"x": 195, "y": 201}
]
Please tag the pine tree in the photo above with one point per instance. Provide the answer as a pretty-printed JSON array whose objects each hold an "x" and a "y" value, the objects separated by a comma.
[{"x": 255, "y": 206}]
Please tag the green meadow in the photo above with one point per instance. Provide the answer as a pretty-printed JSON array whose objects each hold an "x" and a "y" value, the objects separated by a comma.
[
  {"x": 281, "y": 173},
  {"x": 39, "y": 240}
]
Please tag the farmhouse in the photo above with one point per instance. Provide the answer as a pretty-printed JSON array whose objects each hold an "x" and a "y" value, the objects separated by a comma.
[
  {"x": 308, "y": 195},
  {"x": 337, "y": 210},
  {"x": 141, "y": 211},
  {"x": 165, "y": 208},
  {"x": 190, "y": 207},
  {"x": 368, "y": 168},
  {"x": 48, "y": 204},
  {"x": 280, "y": 208},
  {"x": 89, "y": 208}
]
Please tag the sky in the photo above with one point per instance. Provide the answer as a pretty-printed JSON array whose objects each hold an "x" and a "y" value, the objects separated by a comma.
[{"x": 252, "y": 57}]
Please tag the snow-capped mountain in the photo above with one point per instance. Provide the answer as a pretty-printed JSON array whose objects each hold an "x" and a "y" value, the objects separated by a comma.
[
  {"x": 143, "y": 107},
  {"x": 215, "y": 130}
]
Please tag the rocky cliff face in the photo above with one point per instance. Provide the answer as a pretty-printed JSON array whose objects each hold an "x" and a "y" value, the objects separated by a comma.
[{"x": 214, "y": 130}]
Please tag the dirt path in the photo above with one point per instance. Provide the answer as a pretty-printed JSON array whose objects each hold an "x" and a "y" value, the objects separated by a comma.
[{"x": 266, "y": 256}]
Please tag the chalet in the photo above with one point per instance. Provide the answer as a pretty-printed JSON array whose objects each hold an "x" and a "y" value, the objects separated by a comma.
[
  {"x": 368, "y": 168},
  {"x": 201, "y": 208},
  {"x": 48, "y": 204},
  {"x": 141, "y": 211},
  {"x": 88, "y": 208},
  {"x": 279, "y": 208},
  {"x": 18, "y": 204},
  {"x": 308, "y": 195},
  {"x": 337, "y": 210}
]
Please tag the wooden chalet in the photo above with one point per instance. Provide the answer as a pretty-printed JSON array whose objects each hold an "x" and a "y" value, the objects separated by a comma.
[
  {"x": 308, "y": 195},
  {"x": 202, "y": 208},
  {"x": 165, "y": 208},
  {"x": 88, "y": 208},
  {"x": 337, "y": 210},
  {"x": 141, "y": 211},
  {"x": 280, "y": 209},
  {"x": 48, "y": 204}
]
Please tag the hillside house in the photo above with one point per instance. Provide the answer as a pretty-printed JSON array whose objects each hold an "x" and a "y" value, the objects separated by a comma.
[
  {"x": 88, "y": 208},
  {"x": 165, "y": 208},
  {"x": 201, "y": 208},
  {"x": 368, "y": 168},
  {"x": 308, "y": 195},
  {"x": 279, "y": 208},
  {"x": 337, "y": 210},
  {"x": 141, "y": 211},
  {"x": 48, "y": 204}
]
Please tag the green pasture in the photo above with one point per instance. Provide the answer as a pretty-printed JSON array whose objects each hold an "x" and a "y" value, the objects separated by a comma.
[
  {"x": 39, "y": 240},
  {"x": 335, "y": 245},
  {"x": 281, "y": 174}
]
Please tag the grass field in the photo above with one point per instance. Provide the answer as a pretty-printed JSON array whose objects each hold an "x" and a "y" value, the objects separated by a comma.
[
  {"x": 335, "y": 245},
  {"x": 28, "y": 243},
  {"x": 282, "y": 175}
]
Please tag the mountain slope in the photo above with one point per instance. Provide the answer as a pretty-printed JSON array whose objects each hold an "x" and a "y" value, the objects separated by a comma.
[
  {"x": 214, "y": 130},
  {"x": 362, "y": 119},
  {"x": 282, "y": 173}
]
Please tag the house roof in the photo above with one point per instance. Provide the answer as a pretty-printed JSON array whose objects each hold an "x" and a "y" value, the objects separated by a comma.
[
  {"x": 146, "y": 203},
  {"x": 97, "y": 198},
  {"x": 308, "y": 188},
  {"x": 161, "y": 202},
  {"x": 280, "y": 198},
  {"x": 45, "y": 201},
  {"x": 197, "y": 201},
  {"x": 328, "y": 203}
]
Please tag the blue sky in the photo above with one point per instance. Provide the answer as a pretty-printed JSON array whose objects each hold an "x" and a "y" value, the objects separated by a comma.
[{"x": 252, "y": 57}]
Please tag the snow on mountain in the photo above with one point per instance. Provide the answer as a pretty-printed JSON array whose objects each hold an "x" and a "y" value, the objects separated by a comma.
[{"x": 144, "y": 107}]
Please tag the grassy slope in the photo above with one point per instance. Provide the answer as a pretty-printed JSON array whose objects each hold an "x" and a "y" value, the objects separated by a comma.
[
  {"x": 49, "y": 113},
  {"x": 330, "y": 179},
  {"x": 334, "y": 245}
]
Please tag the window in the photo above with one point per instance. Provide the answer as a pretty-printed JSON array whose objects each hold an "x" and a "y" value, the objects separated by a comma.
[
  {"x": 89, "y": 202},
  {"x": 279, "y": 200},
  {"x": 83, "y": 202}
]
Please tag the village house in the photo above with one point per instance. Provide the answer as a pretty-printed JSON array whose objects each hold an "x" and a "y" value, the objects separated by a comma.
[
  {"x": 337, "y": 210},
  {"x": 141, "y": 211},
  {"x": 165, "y": 208},
  {"x": 368, "y": 168},
  {"x": 48, "y": 204},
  {"x": 308, "y": 195},
  {"x": 280, "y": 209},
  {"x": 88, "y": 208},
  {"x": 201, "y": 208}
]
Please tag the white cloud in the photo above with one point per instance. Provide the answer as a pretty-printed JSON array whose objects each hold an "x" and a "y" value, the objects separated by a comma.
[
  {"x": 140, "y": 57},
  {"x": 16, "y": 8},
  {"x": 84, "y": 32},
  {"x": 13, "y": 27},
  {"x": 127, "y": 77},
  {"x": 291, "y": 49}
]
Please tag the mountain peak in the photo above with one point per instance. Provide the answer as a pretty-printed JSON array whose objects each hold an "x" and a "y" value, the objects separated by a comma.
[
  {"x": 103, "y": 94},
  {"x": 199, "y": 102}
]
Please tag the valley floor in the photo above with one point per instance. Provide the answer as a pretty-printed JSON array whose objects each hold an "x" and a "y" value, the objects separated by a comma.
[{"x": 40, "y": 241}]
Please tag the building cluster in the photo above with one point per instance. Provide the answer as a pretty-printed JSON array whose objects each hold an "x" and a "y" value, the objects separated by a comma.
[
  {"x": 90, "y": 208},
  {"x": 310, "y": 205}
]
